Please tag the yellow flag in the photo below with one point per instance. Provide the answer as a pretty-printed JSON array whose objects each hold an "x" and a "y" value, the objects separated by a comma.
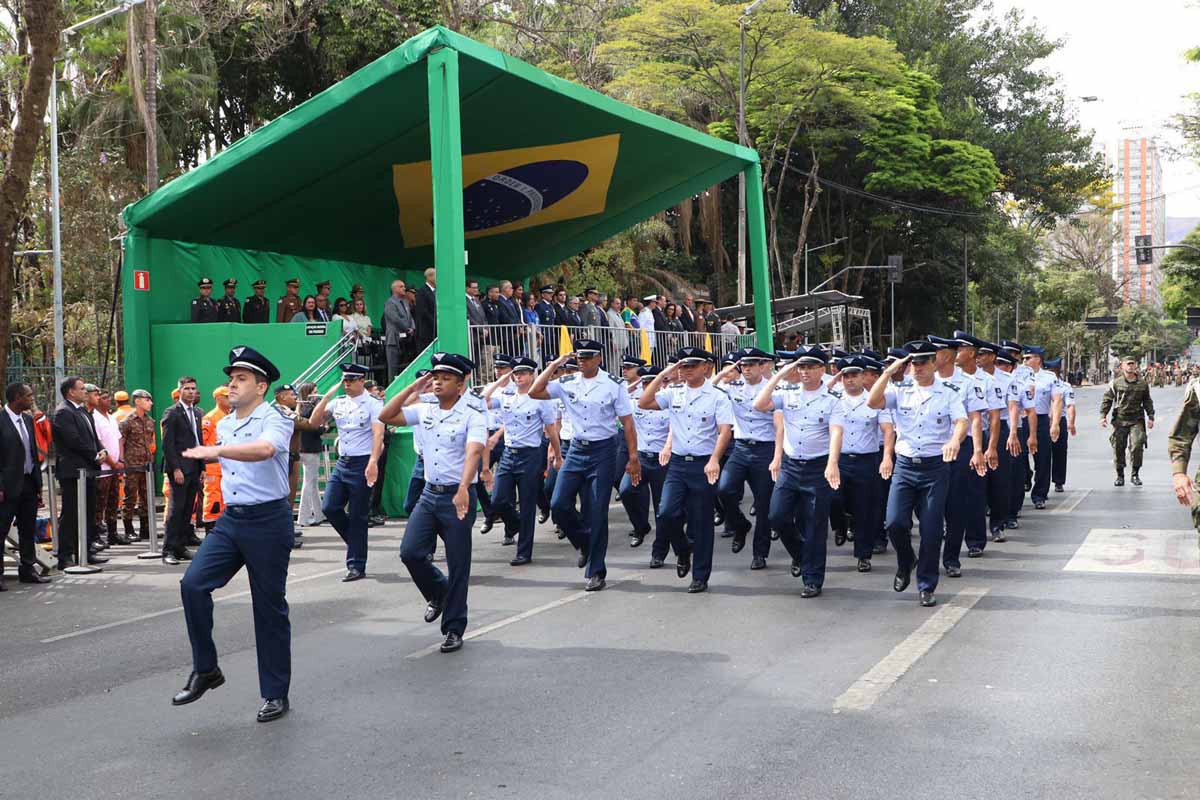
[
  {"x": 564, "y": 340},
  {"x": 645, "y": 334},
  {"x": 708, "y": 342}
]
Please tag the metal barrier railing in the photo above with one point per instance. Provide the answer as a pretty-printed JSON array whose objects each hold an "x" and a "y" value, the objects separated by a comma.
[
  {"x": 84, "y": 520},
  {"x": 543, "y": 344},
  {"x": 328, "y": 361}
]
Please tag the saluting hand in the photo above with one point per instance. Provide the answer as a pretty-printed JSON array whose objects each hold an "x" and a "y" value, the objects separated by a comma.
[{"x": 896, "y": 367}]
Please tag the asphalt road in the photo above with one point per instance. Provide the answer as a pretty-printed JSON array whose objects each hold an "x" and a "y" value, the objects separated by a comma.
[{"x": 1061, "y": 665}]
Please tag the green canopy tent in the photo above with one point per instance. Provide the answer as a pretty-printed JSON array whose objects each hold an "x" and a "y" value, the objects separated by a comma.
[{"x": 441, "y": 152}]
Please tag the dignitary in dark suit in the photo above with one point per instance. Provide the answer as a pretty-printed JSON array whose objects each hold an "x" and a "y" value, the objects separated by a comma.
[
  {"x": 255, "y": 531},
  {"x": 181, "y": 430},
  {"x": 425, "y": 310},
  {"x": 76, "y": 448},
  {"x": 20, "y": 479}
]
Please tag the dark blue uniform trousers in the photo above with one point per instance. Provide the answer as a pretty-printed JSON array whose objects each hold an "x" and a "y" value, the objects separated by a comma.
[
  {"x": 587, "y": 474},
  {"x": 860, "y": 490},
  {"x": 1041, "y": 461},
  {"x": 637, "y": 499},
  {"x": 519, "y": 478},
  {"x": 435, "y": 516},
  {"x": 348, "y": 486},
  {"x": 485, "y": 499},
  {"x": 966, "y": 514},
  {"x": 1058, "y": 455},
  {"x": 620, "y": 460},
  {"x": 750, "y": 462},
  {"x": 687, "y": 496},
  {"x": 1020, "y": 472},
  {"x": 258, "y": 537},
  {"x": 999, "y": 484},
  {"x": 919, "y": 484},
  {"x": 552, "y": 474},
  {"x": 416, "y": 484},
  {"x": 885, "y": 488},
  {"x": 800, "y": 514}
]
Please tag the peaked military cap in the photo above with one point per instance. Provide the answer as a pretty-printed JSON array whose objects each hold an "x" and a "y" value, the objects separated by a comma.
[
  {"x": 836, "y": 353},
  {"x": 524, "y": 363},
  {"x": 1006, "y": 357},
  {"x": 452, "y": 362},
  {"x": 230, "y": 283},
  {"x": 503, "y": 360},
  {"x": 688, "y": 356},
  {"x": 1053, "y": 363},
  {"x": 629, "y": 362},
  {"x": 587, "y": 347},
  {"x": 1035, "y": 350},
  {"x": 547, "y": 288},
  {"x": 355, "y": 372},
  {"x": 259, "y": 284},
  {"x": 921, "y": 350},
  {"x": 754, "y": 354},
  {"x": 942, "y": 343},
  {"x": 280, "y": 389},
  {"x": 871, "y": 354},
  {"x": 571, "y": 363},
  {"x": 324, "y": 283},
  {"x": 590, "y": 290},
  {"x": 852, "y": 364},
  {"x": 292, "y": 281},
  {"x": 205, "y": 283},
  {"x": 967, "y": 340},
  {"x": 243, "y": 357},
  {"x": 873, "y": 364},
  {"x": 812, "y": 355},
  {"x": 648, "y": 372},
  {"x": 895, "y": 354},
  {"x": 1009, "y": 344}
]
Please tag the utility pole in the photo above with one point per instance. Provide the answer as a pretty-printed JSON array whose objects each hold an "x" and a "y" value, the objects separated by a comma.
[
  {"x": 744, "y": 140},
  {"x": 151, "y": 96}
]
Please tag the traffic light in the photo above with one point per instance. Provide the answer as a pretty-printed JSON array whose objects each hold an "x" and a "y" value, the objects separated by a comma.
[
  {"x": 1142, "y": 251},
  {"x": 895, "y": 269}
]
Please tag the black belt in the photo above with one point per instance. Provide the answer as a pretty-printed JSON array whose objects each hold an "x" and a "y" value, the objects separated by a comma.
[
  {"x": 803, "y": 461},
  {"x": 754, "y": 442},
  {"x": 690, "y": 459},
  {"x": 870, "y": 454},
  {"x": 920, "y": 459},
  {"x": 442, "y": 488},
  {"x": 648, "y": 455},
  {"x": 586, "y": 443}
]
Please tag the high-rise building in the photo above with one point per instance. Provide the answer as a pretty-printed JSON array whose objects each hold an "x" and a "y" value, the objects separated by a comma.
[{"x": 1141, "y": 210}]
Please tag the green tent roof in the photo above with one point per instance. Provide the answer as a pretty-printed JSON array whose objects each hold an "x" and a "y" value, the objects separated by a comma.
[{"x": 550, "y": 168}]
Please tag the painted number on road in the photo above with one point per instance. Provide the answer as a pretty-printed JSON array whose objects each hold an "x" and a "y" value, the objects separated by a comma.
[{"x": 1138, "y": 551}]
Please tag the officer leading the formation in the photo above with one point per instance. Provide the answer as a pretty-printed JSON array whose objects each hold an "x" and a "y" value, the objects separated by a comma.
[
  {"x": 453, "y": 437},
  {"x": 701, "y": 427},
  {"x": 1128, "y": 398},
  {"x": 229, "y": 308},
  {"x": 256, "y": 531},
  {"x": 931, "y": 424},
  {"x": 204, "y": 309},
  {"x": 360, "y": 441}
]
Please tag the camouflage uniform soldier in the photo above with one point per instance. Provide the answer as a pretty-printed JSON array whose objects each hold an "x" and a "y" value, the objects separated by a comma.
[
  {"x": 1179, "y": 448},
  {"x": 1128, "y": 397},
  {"x": 137, "y": 430}
]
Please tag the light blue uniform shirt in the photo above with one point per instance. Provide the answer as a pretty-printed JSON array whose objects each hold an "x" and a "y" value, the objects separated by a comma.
[
  {"x": 1044, "y": 390},
  {"x": 969, "y": 390},
  {"x": 924, "y": 417},
  {"x": 993, "y": 400},
  {"x": 860, "y": 425},
  {"x": 591, "y": 404},
  {"x": 1067, "y": 392},
  {"x": 566, "y": 431},
  {"x": 1023, "y": 377},
  {"x": 524, "y": 419},
  {"x": 354, "y": 417},
  {"x": 695, "y": 416},
  {"x": 246, "y": 483},
  {"x": 1005, "y": 388},
  {"x": 445, "y": 436},
  {"x": 652, "y": 426},
  {"x": 806, "y": 420},
  {"x": 748, "y": 423}
]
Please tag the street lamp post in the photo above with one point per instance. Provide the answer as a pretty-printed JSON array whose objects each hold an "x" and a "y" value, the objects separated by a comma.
[
  {"x": 744, "y": 140},
  {"x": 55, "y": 197},
  {"x": 808, "y": 250}
]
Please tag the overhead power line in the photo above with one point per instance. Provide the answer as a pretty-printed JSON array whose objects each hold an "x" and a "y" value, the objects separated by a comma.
[{"x": 923, "y": 209}]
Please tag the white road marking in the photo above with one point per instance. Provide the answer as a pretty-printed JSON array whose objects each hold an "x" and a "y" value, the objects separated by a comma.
[
  {"x": 515, "y": 618},
  {"x": 1069, "y": 505},
  {"x": 176, "y": 610},
  {"x": 871, "y": 686},
  {"x": 1137, "y": 551}
]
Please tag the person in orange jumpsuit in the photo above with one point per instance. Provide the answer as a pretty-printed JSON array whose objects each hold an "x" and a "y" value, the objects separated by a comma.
[{"x": 214, "y": 502}]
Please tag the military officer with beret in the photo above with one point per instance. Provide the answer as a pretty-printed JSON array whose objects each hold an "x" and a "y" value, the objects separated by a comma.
[
  {"x": 257, "y": 309},
  {"x": 653, "y": 427},
  {"x": 595, "y": 402},
  {"x": 1128, "y": 398},
  {"x": 290, "y": 304},
  {"x": 805, "y": 463},
  {"x": 931, "y": 424},
  {"x": 256, "y": 531},
  {"x": 753, "y": 449},
  {"x": 701, "y": 427},
  {"x": 204, "y": 308},
  {"x": 453, "y": 439},
  {"x": 360, "y": 441},
  {"x": 229, "y": 308},
  {"x": 1062, "y": 424},
  {"x": 527, "y": 425}
]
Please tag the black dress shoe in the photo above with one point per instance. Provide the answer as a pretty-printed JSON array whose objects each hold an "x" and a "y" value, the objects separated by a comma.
[
  {"x": 433, "y": 609},
  {"x": 352, "y": 575},
  {"x": 32, "y": 577},
  {"x": 1058, "y": 487},
  {"x": 864, "y": 565},
  {"x": 3, "y": 586},
  {"x": 543, "y": 515},
  {"x": 560, "y": 533},
  {"x": 520, "y": 561},
  {"x": 117, "y": 538},
  {"x": 636, "y": 539},
  {"x": 1039, "y": 504},
  {"x": 839, "y": 537},
  {"x": 170, "y": 559},
  {"x": 927, "y": 598},
  {"x": 739, "y": 541},
  {"x": 1120, "y": 481},
  {"x": 975, "y": 552},
  {"x": 726, "y": 534},
  {"x": 272, "y": 710},
  {"x": 297, "y": 543},
  {"x": 594, "y": 584},
  {"x": 953, "y": 572},
  {"x": 903, "y": 576},
  {"x": 1028, "y": 486},
  {"x": 849, "y": 534},
  {"x": 697, "y": 587},
  {"x": 683, "y": 565},
  {"x": 810, "y": 591},
  {"x": 452, "y": 643},
  {"x": 508, "y": 541},
  {"x": 656, "y": 562},
  {"x": 774, "y": 536},
  {"x": 796, "y": 570},
  {"x": 718, "y": 518},
  {"x": 879, "y": 548},
  {"x": 1135, "y": 480},
  {"x": 193, "y": 541},
  {"x": 581, "y": 562},
  {"x": 198, "y": 683},
  {"x": 758, "y": 562},
  {"x": 488, "y": 522},
  {"x": 63, "y": 563}
]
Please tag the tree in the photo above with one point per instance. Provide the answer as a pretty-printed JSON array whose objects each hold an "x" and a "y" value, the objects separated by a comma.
[
  {"x": 38, "y": 46},
  {"x": 1181, "y": 277}
]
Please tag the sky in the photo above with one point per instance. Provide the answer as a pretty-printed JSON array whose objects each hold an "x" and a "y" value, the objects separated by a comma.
[{"x": 1128, "y": 54}]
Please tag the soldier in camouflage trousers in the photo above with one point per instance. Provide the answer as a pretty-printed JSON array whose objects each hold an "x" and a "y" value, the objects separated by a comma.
[
  {"x": 1179, "y": 448},
  {"x": 1128, "y": 398}
]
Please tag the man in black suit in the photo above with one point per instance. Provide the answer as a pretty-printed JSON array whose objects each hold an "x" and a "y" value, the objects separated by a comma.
[
  {"x": 76, "y": 447},
  {"x": 181, "y": 428},
  {"x": 425, "y": 311},
  {"x": 20, "y": 479}
]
